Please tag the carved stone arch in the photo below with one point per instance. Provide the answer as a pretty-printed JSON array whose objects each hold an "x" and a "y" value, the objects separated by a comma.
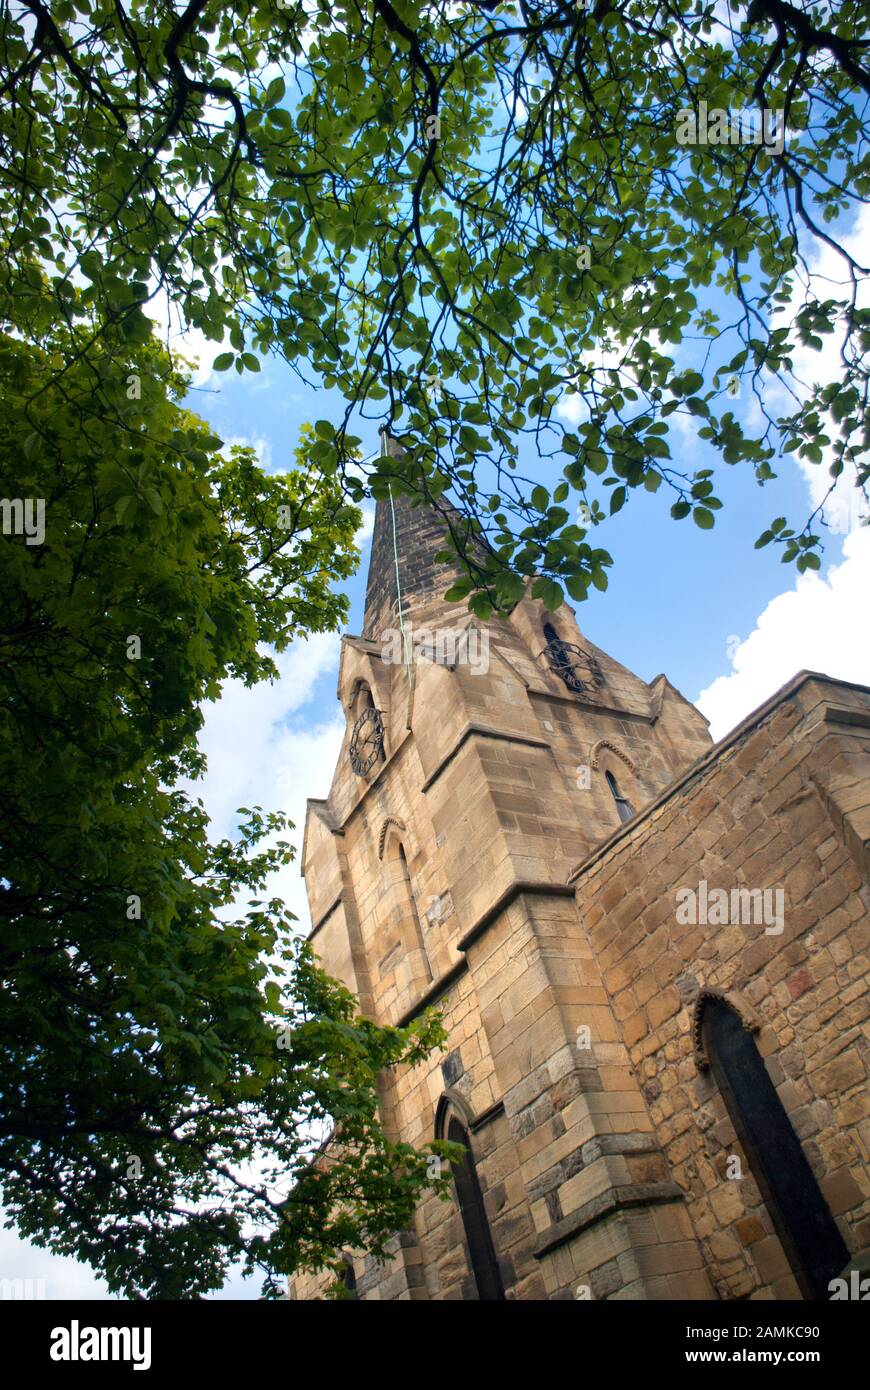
[
  {"x": 744, "y": 1011},
  {"x": 356, "y": 685},
  {"x": 384, "y": 831},
  {"x": 452, "y": 1100},
  {"x": 360, "y": 668},
  {"x": 605, "y": 743},
  {"x": 399, "y": 903},
  {"x": 454, "y": 1121}
]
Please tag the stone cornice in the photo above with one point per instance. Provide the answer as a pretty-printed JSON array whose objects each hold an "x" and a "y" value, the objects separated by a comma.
[
  {"x": 484, "y": 731},
  {"x": 614, "y": 1199},
  {"x": 514, "y": 890},
  {"x": 563, "y": 697},
  {"x": 438, "y": 987},
  {"x": 504, "y": 900},
  {"x": 843, "y": 714},
  {"x": 324, "y": 917}
]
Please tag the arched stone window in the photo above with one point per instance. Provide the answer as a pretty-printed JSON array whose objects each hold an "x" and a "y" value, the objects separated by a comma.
[
  {"x": 620, "y": 774},
  {"x": 469, "y": 1199},
  {"x": 404, "y": 904},
  {"x": 624, "y": 807},
  {"x": 812, "y": 1244}
]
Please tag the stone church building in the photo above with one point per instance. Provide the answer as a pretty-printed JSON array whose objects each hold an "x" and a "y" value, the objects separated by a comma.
[{"x": 650, "y": 952}]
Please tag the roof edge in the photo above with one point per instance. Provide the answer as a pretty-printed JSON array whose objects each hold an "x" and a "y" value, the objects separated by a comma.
[{"x": 790, "y": 688}]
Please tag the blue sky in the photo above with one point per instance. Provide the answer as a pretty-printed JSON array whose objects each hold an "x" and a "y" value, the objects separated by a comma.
[
  {"x": 726, "y": 623},
  {"x": 676, "y": 594}
]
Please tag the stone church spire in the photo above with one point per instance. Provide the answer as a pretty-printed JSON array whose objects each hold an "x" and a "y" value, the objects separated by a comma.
[{"x": 409, "y": 538}]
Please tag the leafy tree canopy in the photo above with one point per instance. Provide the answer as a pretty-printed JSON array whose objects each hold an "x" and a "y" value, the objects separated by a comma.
[
  {"x": 169, "y": 1059},
  {"x": 457, "y": 214}
]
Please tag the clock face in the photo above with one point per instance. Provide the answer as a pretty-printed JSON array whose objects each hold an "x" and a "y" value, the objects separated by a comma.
[
  {"x": 576, "y": 667},
  {"x": 366, "y": 741}
]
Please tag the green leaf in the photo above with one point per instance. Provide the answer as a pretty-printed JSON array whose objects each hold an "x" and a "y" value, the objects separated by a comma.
[
  {"x": 274, "y": 92},
  {"x": 481, "y": 607},
  {"x": 549, "y": 592},
  {"x": 577, "y": 586}
]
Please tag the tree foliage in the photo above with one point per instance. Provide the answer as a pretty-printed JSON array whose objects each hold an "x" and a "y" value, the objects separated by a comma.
[
  {"x": 170, "y": 1055},
  {"x": 460, "y": 214}
]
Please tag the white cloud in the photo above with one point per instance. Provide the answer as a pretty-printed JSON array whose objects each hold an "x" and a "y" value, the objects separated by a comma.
[
  {"x": 609, "y": 356},
  {"x": 364, "y": 534},
  {"x": 828, "y": 280},
  {"x": 181, "y": 340},
  {"x": 816, "y": 625},
  {"x": 262, "y": 750},
  {"x": 54, "y": 1276},
  {"x": 261, "y": 446}
]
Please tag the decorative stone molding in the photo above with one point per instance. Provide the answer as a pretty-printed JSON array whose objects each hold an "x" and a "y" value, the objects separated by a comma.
[
  {"x": 451, "y": 1099},
  {"x": 382, "y": 837},
  {"x": 745, "y": 1012},
  {"x": 356, "y": 685},
  {"x": 605, "y": 743}
]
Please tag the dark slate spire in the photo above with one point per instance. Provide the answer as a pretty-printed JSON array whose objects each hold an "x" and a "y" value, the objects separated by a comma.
[{"x": 419, "y": 538}]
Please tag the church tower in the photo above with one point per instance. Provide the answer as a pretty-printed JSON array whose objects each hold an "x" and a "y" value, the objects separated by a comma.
[{"x": 509, "y": 817}]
